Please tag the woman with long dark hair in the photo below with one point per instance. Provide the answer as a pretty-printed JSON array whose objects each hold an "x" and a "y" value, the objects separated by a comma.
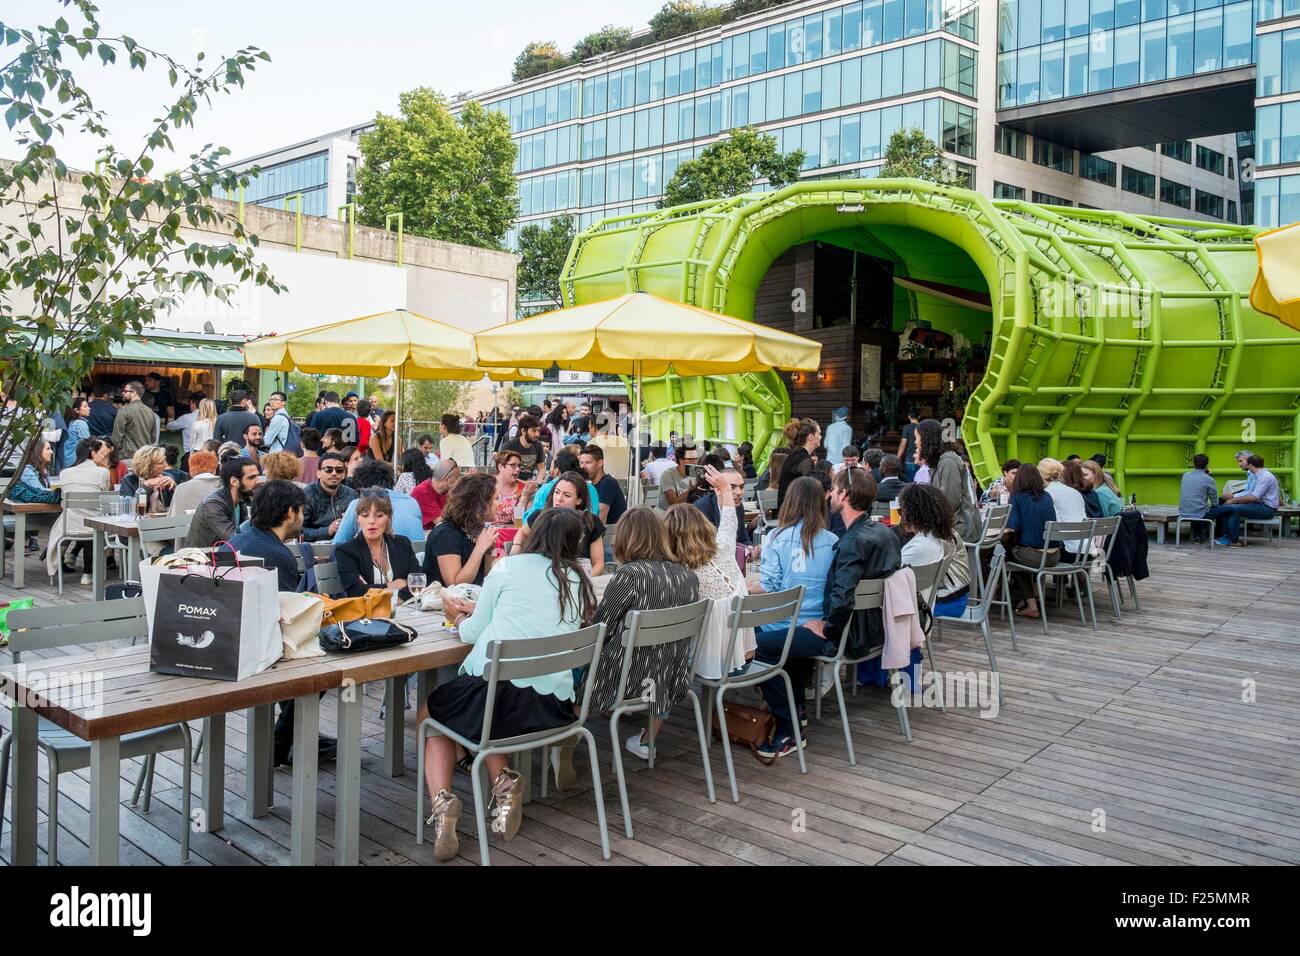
[
  {"x": 415, "y": 469},
  {"x": 570, "y": 492},
  {"x": 383, "y": 437},
  {"x": 1073, "y": 476},
  {"x": 78, "y": 429},
  {"x": 929, "y": 519},
  {"x": 538, "y": 592},
  {"x": 800, "y": 550},
  {"x": 459, "y": 548},
  {"x": 943, "y": 467},
  {"x": 1031, "y": 509}
]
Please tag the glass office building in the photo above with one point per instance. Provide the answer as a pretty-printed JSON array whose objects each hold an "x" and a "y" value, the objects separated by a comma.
[{"x": 1277, "y": 122}]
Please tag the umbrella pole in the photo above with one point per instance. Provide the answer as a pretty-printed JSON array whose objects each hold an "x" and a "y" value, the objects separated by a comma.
[
  {"x": 397, "y": 422},
  {"x": 634, "y": 479}
]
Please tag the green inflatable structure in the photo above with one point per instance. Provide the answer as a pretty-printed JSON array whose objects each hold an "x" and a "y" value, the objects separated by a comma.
[{"x": 1130, "y": 335}]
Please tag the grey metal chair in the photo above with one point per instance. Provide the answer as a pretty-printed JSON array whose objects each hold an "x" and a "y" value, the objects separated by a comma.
[
  {"x": 328, "y": 581},
  {"x": 880, "y": 509},
  {"x": 754, "y": 610},
  {"x": 767, "y": 500},
  {"x": 651, "y": 497},
  {"x": 643, "y": 630},
  {"x": 1070, "y": 567},
  {"x": 76, "y": 501},
  {"x": 868, "y": 596},
  {"x": 1268, "y": 524},
  {"x": 91, "y": 623},
  {"x": 1106, "y": 528},
  {"x": 515, "y": 660},
  {"x": 994, "y": 523},
  {"x": 1185, "y": 519},
  {"x": 168, "y": 529},
  {"x": 977, "y": 614}
]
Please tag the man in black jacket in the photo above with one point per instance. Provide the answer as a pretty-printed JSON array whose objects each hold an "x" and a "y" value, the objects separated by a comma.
[
  {"x": 327, "y": 499},
  {"x": 866, "y": 551},
  {"x": 892, "y": 482},
  {"x": 218, "y": 516}
]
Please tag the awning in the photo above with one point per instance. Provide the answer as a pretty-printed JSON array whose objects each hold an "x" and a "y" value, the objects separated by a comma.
[
  {"x": 574, "y": 388},
  {"x": 174, "y": 350}
]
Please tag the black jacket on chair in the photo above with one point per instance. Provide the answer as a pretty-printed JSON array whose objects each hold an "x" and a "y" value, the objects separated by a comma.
[
  {"x": 357, "y": 570},
  {"x": 1129, "y": 556},
  {"x": 867, "y": 550}
]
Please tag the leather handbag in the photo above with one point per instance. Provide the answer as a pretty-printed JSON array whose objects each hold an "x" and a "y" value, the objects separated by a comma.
[
  {"x": 300, "y": 618},
  {"x": 352, "y": 637},
  {"x": 746, "y": 726},
  {"x": 375, "y": 603}
]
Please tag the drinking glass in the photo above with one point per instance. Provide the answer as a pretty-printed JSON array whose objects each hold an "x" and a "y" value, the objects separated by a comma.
[{"x": 415, "y": 584}]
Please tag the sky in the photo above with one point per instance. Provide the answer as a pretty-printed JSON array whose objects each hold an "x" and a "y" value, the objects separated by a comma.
[{"x": 333, "y": 64}]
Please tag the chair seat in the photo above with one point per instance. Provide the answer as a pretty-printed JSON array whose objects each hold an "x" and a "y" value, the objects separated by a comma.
[
  {"x": 755, "y": 672},
  {"x": 74, "y": 753}
]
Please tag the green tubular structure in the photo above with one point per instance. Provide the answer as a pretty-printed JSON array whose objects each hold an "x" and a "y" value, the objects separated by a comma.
[{"x": 1110, "y": 332}]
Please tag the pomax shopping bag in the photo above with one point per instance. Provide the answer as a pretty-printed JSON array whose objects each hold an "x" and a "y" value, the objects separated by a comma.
[{"x": 222, "y": 623}]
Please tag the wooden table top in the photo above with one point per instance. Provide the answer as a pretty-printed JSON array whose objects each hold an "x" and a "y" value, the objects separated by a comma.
[
  {"x": 436, "y": 646},
  {"x": 14, "y": 507},
  {"x": 123, "y": 524}
]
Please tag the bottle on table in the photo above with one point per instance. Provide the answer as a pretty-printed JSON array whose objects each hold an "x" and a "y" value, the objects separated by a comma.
[{"x": 142, "y": 503}]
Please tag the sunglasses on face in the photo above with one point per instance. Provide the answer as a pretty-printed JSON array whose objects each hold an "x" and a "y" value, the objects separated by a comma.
[{"x": 333, "y": 471}]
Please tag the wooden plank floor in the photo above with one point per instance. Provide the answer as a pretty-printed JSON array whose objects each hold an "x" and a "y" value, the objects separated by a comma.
[{"x": 1134, "y": 744}]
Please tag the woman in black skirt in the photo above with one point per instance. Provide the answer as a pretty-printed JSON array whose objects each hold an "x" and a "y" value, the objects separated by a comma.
[{"x": 537, "y": 592}]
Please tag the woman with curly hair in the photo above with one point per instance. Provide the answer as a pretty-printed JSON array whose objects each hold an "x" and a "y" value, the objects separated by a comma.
[
  {"x": 927, "y": 516},
  {"x": 459, "y": 548}
]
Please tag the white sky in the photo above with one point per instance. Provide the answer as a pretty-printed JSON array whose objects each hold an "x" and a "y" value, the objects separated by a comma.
[{"x": 332, "y": 64}]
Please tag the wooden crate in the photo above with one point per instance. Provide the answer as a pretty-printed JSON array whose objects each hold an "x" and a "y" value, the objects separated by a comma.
[
  {"x": 911, "y": 381},
  {"x": 931, "y": 381}
]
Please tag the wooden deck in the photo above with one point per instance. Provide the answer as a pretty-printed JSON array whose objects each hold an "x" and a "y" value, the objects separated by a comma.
[{"x": 1142, "y": 722}]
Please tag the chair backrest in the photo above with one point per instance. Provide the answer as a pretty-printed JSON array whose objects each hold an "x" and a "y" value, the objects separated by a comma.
[
  {"x": 323, "y": 550},
  {"x": 928, "y": 577},
  {"x": 81, "y": 501},
  {"x": 109, "y": 500},
  {"x": 880, "y": 509},
  {"x": 534, "y": 657},
  {"x": 328, "y": 581},
  {"x": 760, "y": 610},
  {"x": 979, "y": 611},
  {"x": 651, "y": 497},
  {"x": 656, "y": 629},
  {"x": 767, "y": 499},
  {"x": 174, "y": 528},
  {"x": 94, "y": 622},
  {"x": 995, "y": 522},
  {"x": 1105, "y": 529}
]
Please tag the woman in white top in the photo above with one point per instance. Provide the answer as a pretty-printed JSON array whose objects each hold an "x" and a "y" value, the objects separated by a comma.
[
  {"x": 711, "y": 554},
  {"x": 205, "y": 424},
  {"x": 1068, "y": 502},
  {"x": 928, "y": 517},
  {"x": 90, "y": 473}
]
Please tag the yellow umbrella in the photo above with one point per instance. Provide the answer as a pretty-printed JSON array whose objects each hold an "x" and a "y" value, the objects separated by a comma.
[
  {"x": 641, "y": 334},
  {"x": 1276, "y": 291},
  {"x": 410, "y": 344}
]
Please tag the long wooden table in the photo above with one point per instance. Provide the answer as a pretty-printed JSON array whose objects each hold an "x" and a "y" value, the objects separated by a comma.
[
  {"x": 125, "y": 526},
  {"x": 20, "y": 511}
]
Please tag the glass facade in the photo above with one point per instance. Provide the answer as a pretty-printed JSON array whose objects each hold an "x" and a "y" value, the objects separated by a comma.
[
  {"x": 308, "y": 175},
  {"x": 1277, "y": 201},
  {"x": 1052, "y": 49},
  {"x": 1277, "y": 131}
]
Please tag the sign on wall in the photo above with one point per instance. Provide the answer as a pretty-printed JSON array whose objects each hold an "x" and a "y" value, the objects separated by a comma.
[
  {"x": 870, "y": 391},
  {"x": 568, "y": 377}
]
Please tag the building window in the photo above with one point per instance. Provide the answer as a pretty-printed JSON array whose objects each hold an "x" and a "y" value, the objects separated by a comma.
[
  {"x": 1137, "y": 182},
  {"x": 1010, "y": 142},
  {"x": 958, "y": 129},
  {"x": 1208, "y": 204},
  {"x": 1007, "y": 191},
  {"x": 1049, "y": 200},
  {"x": 1175, "y": 194},
  {"x": 1180, "y": 150},
  {"x": 1232, "y": 211},
  {"x": 1097, "y": 169},
  {"x": 1210, "y": 159},
  {"x": 1053, "y": 155}
]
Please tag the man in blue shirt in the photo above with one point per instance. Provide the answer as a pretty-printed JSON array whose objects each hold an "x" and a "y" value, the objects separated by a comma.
[
  {"x": 1197, "y": 494},
  {"x": 277, "y": 429},
  {"x": 564, "y": 461},
  {"x": 277, "y": 517},
  {"x": 1261, "y": 498},
  {"x": 408, "y": 520}
]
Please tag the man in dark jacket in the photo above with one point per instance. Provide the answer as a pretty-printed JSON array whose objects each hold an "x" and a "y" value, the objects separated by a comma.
[
  {"x": 327, "y": 499},
  {"x": 866, "y": 551},
  {"x": 218, "y": 516},
  {"x": 892, "y": 482},
  {"x": 232, "y": 424},
  {"x": 102, "y": 414}
]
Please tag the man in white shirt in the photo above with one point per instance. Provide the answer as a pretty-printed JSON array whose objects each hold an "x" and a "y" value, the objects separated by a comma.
[{"x": 657, "y": 465}]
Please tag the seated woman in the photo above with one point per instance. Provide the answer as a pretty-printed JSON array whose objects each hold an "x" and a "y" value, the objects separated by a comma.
[
  {"x": 510, "y": 494},
  {"x": 415, "y": 469},
  {"x": 90, "y": 473},
  {"x": 571, "y": 493},
  {"x": 1066, "y": 501},
  {"x": 33, "y": 485},
  {"x": 1031, "y": 509},
  {"x": 375, "y": 558},
  {"x": 799, "y": 551},
  {"x": 646, "y": 579},
  {"x": 927, "y": 516},
  {"x": 459, "y": 548},
  {"x": 541, "y": 591},
  {"x": 147, "y": 467},
  {"x": 711, "y": 553},
  {"x": 1108, "y": 496}
]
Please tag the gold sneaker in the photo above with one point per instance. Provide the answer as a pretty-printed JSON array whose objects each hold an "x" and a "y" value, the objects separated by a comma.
[
  {"x": 446, "y": 811},
  {"x": 507, "y": 807}
]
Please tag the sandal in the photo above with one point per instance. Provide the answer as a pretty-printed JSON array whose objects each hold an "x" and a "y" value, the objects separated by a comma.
[{"x": 1025, "y": 612}]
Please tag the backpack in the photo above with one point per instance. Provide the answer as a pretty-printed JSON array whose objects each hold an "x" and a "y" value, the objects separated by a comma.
[{"x": 293, "y": 440}]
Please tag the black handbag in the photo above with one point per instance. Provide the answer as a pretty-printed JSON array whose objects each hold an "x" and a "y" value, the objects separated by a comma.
[{"x": 367, "y": 634}]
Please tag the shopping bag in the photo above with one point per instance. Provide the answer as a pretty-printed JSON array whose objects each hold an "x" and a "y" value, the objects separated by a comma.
[
  {"x": 375, "y": 603},
  {"x": 300, "y": 620},
  {"x": 218, "y": 623}
]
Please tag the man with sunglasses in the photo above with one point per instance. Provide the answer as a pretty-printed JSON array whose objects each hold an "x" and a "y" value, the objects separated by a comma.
[{"x": 327, "y": 499}]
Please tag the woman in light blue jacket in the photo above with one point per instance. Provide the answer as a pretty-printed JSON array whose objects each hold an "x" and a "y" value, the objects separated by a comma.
[{"x": 801, "y": 550}]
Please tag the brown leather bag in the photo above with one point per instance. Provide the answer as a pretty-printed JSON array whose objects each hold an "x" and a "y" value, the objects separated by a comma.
[
  {"x": 746, "y": 726},
  {"x": 375, "y": 603}
]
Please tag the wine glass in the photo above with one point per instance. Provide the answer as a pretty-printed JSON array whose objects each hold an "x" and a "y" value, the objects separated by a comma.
[{"x": 415, "y": 584}]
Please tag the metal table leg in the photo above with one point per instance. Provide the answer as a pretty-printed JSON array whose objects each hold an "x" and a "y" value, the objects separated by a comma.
[
  {"x": 2, "y": 543},
  {"x": 214, "y": 773},
  {"x": 132, "y": 571},
  {"x": 347, "y": 777},
  {"x": 99, "y": 566},
  {"x": 22, "y": 838},
  {"x": 105, "y": 786},
  {"x": 306, "y": 730},
  {"x": 20, "y": 547},
  {"x": 394, "y": 727},
  {"x": 258, "y": 771}
]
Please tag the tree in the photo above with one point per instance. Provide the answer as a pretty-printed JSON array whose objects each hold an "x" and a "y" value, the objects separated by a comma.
[
  {"x": 301, "y": 398},
  {"x": 452, "y": 176},
  {"x": 538, "y": 58},
  {"x": 913, "y": 155},
  {"x": 88, "y": 258},
  {"x": 542, "y": 252},
  {"x": 730, "y": 166},
  {"x": 679, "y": 17},
  {"x": 608, "y": 39},
  {"x": 424, "y": 402}
]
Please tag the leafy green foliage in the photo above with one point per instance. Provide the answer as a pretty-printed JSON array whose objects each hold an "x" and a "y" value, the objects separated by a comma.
[
  {"x": 427, "y": 401},
  {"x": 542, "y": 252},
  {"x": 88, "y": 258},
  {"x": 679, "y": 17},
  {"x": 538, "y": 58},
  {"x": 452, "y": 176},
  {"x": 730, "y": 166},
  {"x": 608, "y": 39},
  {"x": 913, "y": 155}
]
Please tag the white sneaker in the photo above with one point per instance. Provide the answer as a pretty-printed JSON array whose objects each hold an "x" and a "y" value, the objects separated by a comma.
[
  {"x": 830, "y": 676},
  {"x": 87, "y": 580},
  {"x": 637, "y": 746},
  {"x": 562, "y": 764}
]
